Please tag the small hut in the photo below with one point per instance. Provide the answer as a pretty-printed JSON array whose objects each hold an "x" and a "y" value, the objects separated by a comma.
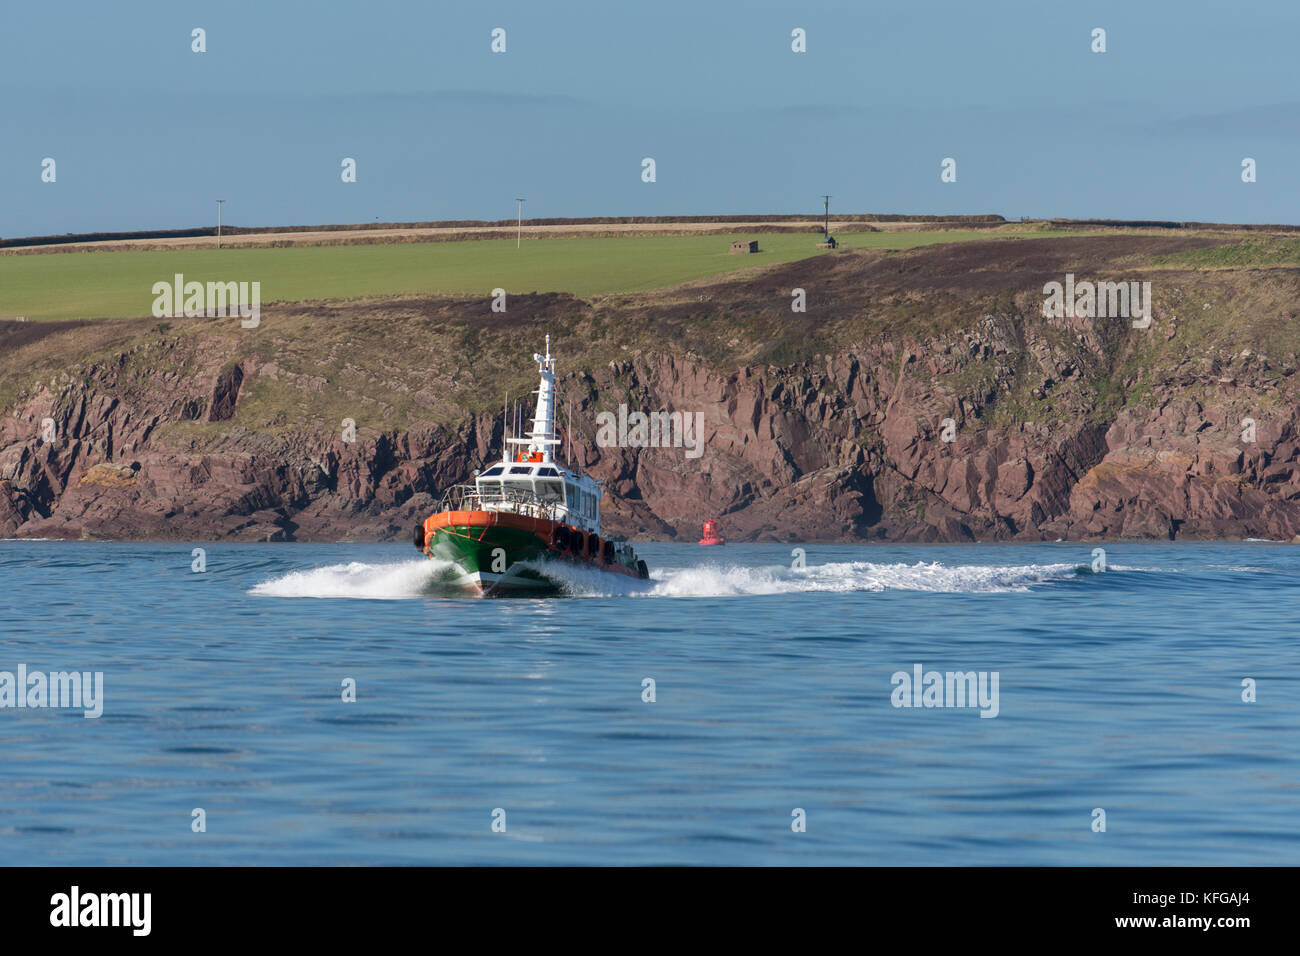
[{"x": 745, "y": 245}]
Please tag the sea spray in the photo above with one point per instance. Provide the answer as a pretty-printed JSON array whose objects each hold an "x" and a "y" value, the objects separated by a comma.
[
  {"x": 380, "y": 582},
  {"x": 422, "y": 578}
]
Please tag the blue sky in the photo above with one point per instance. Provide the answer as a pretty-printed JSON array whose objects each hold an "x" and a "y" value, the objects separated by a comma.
[{"x": 147, "y": 134}]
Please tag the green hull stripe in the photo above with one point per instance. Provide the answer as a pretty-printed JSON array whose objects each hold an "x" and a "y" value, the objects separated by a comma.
[
  {"x": 479, "y": 555},
  {"x": 497, "y": 551}
]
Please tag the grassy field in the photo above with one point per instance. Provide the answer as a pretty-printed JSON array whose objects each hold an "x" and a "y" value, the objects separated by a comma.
[
  {"x": 118, "y": 284},
  {"x": 1253, "y": 252}
]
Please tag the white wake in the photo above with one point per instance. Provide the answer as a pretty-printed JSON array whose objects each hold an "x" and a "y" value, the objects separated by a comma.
[
  {"x": 720, "y": 580},
  {"x": 424, "y": 577},
  {"x": 379, "y": 582}
]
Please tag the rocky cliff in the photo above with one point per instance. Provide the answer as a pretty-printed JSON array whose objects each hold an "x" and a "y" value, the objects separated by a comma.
[{"x": 921, "y": 395}]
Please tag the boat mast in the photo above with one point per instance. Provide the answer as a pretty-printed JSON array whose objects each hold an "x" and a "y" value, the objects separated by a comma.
[{"x": 542, "y": 438}]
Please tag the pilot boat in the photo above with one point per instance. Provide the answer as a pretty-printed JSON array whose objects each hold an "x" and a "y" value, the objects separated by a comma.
[{"x": 523, "y": 512}]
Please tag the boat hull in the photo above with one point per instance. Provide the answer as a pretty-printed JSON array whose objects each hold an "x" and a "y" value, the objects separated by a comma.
[{"x": 498, "y": 553}]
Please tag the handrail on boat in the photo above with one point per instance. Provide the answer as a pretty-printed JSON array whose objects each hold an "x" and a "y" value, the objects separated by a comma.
[{"x": 515, "y": 501}]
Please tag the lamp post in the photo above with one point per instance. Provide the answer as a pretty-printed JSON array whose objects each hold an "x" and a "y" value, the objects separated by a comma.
[
  {"x": 519, "y": 224},
  {"x": 219, "y": 202},
  {"x": 826, "y": 227}
]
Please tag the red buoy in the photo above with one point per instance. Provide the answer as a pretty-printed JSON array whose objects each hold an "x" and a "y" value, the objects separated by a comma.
[{"x": 711, "y": 535}]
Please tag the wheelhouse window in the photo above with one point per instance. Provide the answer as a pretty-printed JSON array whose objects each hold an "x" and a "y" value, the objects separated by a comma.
[
  {"x": 490, "y": 489},
  {"x": 579, "y": 501}
]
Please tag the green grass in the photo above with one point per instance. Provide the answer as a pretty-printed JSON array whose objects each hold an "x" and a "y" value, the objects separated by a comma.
[
  {"x": 1263, "y": 252},
  {"x": 118, "y": 284}
]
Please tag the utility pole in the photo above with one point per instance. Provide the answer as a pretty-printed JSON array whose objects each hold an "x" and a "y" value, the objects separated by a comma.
[
  {"x": 519, "y": 225},
  {"x": 219, "y": 202},
  {"x": 826, "y": 228}
]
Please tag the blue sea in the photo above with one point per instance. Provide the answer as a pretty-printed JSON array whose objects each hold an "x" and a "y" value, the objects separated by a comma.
[{"x": 734, "y": 709}]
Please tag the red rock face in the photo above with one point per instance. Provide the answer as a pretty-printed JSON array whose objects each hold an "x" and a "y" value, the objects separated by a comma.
[
  {"x": 844, "y": 449},
  {"x": 998, "y": 429}
]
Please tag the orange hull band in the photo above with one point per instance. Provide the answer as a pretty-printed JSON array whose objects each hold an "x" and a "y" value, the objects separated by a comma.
[{"x": 488, "y": 519}]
